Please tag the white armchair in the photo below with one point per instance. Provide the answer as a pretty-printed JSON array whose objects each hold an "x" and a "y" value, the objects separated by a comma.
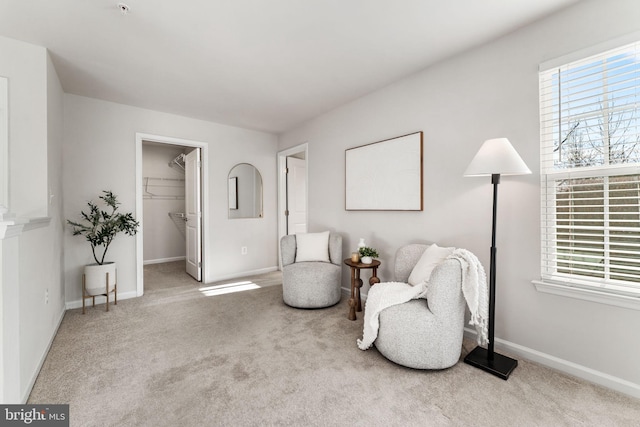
[
  {"x": 425, "y": 333},
  {"x": 311, "y": 283}
]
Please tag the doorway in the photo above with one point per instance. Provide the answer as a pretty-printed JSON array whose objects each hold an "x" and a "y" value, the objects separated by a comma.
[
  {"x": 171, "y": 176},
  {"x": 296, "y": 211},
  {"x": 293, "y": 191}
]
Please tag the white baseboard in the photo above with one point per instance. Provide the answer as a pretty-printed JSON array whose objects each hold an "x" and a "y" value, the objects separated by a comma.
[
  {"x": 43, "y": 357},
  {"x": 99, "y": 300},
  {"x": 243, "y": 274},
  {"x": 161, "y": 260},
  {"x": 583, "y": 372},
  {"x": 133, "y": 294}
]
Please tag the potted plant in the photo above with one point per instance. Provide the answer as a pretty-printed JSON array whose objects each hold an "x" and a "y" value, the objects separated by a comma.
[
  {"x": 99, "y": 227},
  {"x": 367, "y": 254}
]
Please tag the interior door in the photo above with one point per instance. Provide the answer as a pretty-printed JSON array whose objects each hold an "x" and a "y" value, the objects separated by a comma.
[
  {"x": 296, "y": 195},
  {"x": 193, "y": 208}
]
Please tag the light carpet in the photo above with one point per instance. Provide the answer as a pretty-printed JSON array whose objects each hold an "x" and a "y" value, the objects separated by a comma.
[{"x": 176, "y": 357}]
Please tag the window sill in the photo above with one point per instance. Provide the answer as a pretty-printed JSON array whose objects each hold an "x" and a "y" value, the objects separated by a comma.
[{"x": 593, "y": 295}]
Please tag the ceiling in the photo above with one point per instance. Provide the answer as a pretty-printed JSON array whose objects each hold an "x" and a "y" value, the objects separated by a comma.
[{"x": 258, "y": 64}]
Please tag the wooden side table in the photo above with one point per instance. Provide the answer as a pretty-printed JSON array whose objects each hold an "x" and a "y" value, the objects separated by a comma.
[{"x": 356, "y": 283}]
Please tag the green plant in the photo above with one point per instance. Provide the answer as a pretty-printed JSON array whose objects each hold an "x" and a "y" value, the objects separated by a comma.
[
  {"x": 99, "y": 226},
  {"x": 367, "y": 251}
]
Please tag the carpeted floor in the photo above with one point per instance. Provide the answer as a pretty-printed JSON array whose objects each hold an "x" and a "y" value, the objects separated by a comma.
[{"x": 176, "y": 357}]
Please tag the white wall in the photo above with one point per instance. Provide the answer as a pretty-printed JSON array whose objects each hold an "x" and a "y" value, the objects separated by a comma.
[
  {"x": 164, "y": 236},
  {"x": 34, "y": 271},
  {"x": 99, "y": 151},
  {"x": 488, "y": 92},
  {"x": 42, "y": 300}
]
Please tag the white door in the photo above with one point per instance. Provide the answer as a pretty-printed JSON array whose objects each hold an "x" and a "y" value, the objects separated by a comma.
[
  {"x": 296, "y": 195},
  {"x": 193, "y": 209}
]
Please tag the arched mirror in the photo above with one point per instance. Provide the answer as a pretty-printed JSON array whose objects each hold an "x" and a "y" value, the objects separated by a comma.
[{"x": 245, "y": 192}]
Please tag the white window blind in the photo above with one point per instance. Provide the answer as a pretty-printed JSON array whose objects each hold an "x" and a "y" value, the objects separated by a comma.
[{"x": 590, "y": 171}]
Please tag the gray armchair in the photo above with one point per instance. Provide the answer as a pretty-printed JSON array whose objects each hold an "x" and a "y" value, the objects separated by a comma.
[
  {"x": 311, "y": 284},
  {"x": 425, "y": 333}
]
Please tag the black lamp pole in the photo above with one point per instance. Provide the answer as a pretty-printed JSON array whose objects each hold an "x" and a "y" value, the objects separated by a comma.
[{"x": 486, "y": 359}]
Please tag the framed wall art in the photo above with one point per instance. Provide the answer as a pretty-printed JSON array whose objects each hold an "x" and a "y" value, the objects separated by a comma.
[{"x": 385, "y": 175}]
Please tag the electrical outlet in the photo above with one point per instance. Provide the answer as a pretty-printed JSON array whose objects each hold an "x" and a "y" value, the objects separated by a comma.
[
  {"x": 243, "y": 250},
  {"x": 46, "y": 296}
]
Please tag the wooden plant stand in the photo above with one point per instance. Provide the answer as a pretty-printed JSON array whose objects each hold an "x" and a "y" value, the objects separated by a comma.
[{"x": 106, "y": 294}]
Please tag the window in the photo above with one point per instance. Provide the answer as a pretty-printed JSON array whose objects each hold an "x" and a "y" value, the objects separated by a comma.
[{"x": 590, "y": 172}]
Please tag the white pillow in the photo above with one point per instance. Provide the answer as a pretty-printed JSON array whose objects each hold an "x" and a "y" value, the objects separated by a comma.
[
  {"x": 431, "y": 257},
  {"x": 312, "y": 247}
]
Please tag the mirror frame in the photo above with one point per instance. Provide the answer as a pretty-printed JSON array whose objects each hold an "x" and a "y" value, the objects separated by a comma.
[{"x": 234, "y": 189}]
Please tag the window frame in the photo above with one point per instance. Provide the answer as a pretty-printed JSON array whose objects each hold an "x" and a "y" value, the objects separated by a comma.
[{"x": 554, "y": 282}]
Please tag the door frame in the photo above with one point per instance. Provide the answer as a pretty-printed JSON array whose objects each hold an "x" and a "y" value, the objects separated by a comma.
[
  {"x": 204, "y": 194},
  {"x": 282, "y": 188}
]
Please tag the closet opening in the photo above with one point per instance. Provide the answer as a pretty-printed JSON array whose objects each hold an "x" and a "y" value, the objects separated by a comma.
[{"x": 170, "y": 202}]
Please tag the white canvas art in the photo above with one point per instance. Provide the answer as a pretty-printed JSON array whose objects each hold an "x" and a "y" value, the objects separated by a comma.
[{"x": 385, "y": 175}]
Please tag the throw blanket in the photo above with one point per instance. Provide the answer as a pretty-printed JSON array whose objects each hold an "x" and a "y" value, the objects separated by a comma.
[
  {"x": 387, "y": 294},
  {"x": 381, "y": 296},
  {"x": 475, "y": 291}
]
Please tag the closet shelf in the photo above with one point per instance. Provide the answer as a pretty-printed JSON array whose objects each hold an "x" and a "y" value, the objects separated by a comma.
[
  {"x": 178, "y": 161},
  {"x": 179, "y": 219},
  {"x": 152, "y": 197},
  {"x": 163, "y": 188}
]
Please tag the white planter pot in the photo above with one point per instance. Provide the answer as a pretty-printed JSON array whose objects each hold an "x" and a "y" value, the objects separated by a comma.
[
  {"x": 99, "y": 279},
  {"x": 366, "y": 260}
]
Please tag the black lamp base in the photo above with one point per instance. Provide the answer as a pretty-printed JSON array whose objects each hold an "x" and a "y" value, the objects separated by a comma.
[{"x": 501, "y": 366}]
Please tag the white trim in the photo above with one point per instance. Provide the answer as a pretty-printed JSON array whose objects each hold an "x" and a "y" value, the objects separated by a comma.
[
  {"x": 139, "y": 214},
  {"x": 243, "y": 274},
  {"x": 38, "y": 222},
  {"x": 204, "y": 159},
  {"x": 590, "y": 51},
  {"x": 583, "y": 372},
  {"x": 593, "y": 295},
  {"x": 16, "y": 226},
  {"x": 36, "y": 372},
  {"x": 282, "y": 188},
  {"x": 11, "y": 228},
  {"x": 133, "y": 294},
  {"x": 163, "y": 260}
]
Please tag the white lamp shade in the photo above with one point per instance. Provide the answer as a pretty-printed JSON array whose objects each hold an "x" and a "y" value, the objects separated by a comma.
[{"x": 497, "y": 156}]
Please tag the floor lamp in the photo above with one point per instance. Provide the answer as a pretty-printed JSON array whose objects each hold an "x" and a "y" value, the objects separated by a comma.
[{"x": 496, "y": 157}]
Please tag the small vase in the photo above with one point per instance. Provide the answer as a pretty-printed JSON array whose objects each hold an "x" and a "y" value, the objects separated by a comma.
[{"x": 366, "y": 260}]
